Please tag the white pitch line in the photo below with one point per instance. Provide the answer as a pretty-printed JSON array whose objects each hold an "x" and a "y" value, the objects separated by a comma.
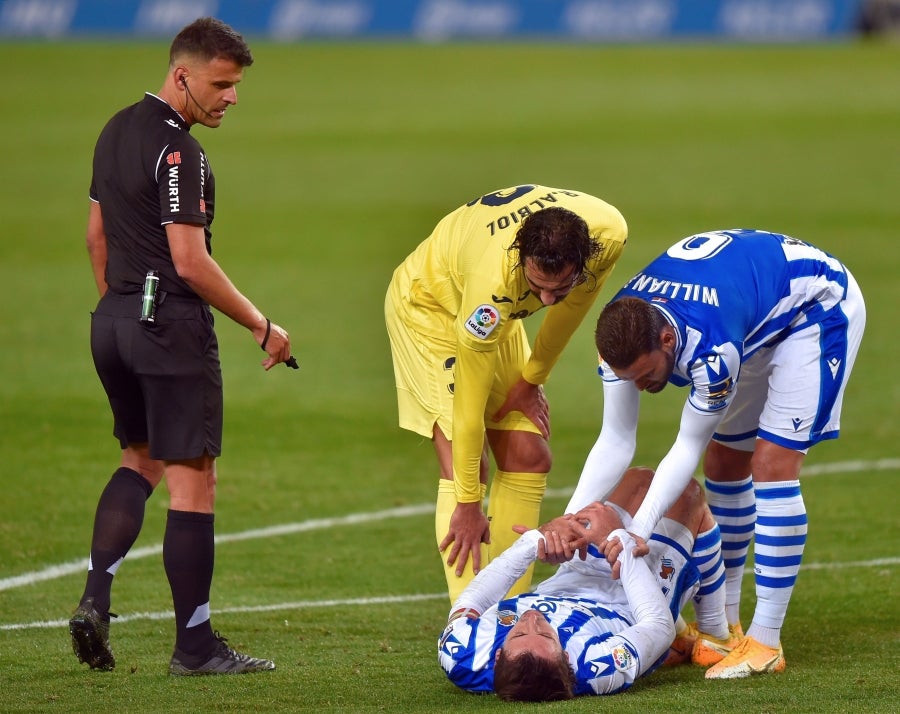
[
  {"x": 80, "y": 566},
  {"x": 299, "y": 605},
  {"x": 52, "y": 572},
  {"x": 385, "y": 600}
]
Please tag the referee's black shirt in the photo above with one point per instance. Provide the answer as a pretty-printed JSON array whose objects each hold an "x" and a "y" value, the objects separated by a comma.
[{"x": 149, "y": 171}]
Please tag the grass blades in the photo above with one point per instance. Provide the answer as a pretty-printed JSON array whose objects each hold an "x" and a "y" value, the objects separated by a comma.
[{"x": 337, "y": 161}]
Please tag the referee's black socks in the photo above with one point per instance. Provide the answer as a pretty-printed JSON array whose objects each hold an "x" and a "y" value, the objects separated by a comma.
[
  {"x": 188, "y": 555},
  {"x": 117, "y": 523}
]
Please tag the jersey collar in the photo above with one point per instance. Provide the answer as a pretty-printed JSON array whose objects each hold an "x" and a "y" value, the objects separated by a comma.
[{"x": 178, "y": 116}]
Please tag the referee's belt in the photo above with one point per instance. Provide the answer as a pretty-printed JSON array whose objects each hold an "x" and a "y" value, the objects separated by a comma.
[{"x": 163, "y": 295}]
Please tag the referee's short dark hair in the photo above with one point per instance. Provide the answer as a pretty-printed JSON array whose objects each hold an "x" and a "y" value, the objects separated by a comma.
[{"x": 208, "y": 38}]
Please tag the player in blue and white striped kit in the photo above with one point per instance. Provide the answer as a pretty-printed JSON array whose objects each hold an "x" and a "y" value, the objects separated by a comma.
[
  {"x": 764, "y": 329},
  {"x": 582, "y": 631}
]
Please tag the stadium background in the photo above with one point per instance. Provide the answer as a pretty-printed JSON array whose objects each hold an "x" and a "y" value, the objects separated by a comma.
[
  {"x": 435, "y": 20},
  {"x": 358, "y": 127}
]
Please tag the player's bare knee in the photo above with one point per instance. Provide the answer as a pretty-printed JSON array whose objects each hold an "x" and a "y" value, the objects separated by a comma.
[
  {"x": 638, "y": 478},
  {"x": 690, "y": 507},
  {"x": 771, "y": 462},
  {"x": 722, "y": 463},
  {"x": 529, "y": 455},
  {"x": 137, "y": 458},
  {"x": 543, "y": 463},
  {"x": 540, "y": 455},
  {"x": 707, "y": 520},
  {"x": 693, "y": 495}
]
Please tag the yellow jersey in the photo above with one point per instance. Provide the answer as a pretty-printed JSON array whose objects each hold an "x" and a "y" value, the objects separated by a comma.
[{"x": 461, "y": 286}]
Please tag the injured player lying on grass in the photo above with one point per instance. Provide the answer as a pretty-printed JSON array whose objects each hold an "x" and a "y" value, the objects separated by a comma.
[{"x": 591, "y": 628}]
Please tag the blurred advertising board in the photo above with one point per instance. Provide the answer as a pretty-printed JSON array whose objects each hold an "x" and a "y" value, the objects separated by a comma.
[{"x": 440, "y": 20}]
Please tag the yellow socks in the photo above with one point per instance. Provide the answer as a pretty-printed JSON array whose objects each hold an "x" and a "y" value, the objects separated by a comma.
[
  {"x": 446, "y": 504},
  {"x": 515, "y": 499}
]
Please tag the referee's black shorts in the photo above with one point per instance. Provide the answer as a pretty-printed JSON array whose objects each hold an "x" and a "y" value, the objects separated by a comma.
[{"x": 163, "y": 380}]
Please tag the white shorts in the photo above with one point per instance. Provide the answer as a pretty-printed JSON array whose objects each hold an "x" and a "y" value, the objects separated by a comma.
[{"x": 791, "y": 394}]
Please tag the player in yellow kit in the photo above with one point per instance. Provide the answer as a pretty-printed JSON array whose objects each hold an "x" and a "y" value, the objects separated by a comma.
[{"x": 464, "y": 370}]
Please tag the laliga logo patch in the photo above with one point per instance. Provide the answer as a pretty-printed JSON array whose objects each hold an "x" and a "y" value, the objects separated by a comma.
[
  {"x": 482, "y": 322},
  {"x": 622, "y": 658}
]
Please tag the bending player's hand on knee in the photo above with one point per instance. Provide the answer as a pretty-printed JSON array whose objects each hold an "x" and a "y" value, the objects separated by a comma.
[
  {"x": 469, "y": 528},
  {"x": 530, "y": 400},
  {"x": 460, "y": 552}
]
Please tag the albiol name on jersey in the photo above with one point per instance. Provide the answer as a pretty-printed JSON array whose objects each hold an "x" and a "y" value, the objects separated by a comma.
[{"x": 694, "y": 292}]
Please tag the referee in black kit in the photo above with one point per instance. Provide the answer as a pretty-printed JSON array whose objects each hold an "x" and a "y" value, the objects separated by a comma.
[{"x": 153, "y": 343}]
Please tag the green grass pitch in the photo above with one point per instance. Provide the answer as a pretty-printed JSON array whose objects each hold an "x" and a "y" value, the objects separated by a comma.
[{"x": 337, "y": 161}]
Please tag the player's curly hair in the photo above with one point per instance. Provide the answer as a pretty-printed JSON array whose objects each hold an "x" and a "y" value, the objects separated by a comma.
[
  {"x": 555, "y": 238},
  {"x": 208, "y": 38},
  {"x": 627, "y": 329},
  {"x": 529, "y": 678}
]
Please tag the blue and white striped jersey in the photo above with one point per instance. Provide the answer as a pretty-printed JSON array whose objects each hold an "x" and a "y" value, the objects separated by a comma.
[
  {"x": 730, "y": 296},
  {"x": 586, "y": 629},
  {"x": 727, "y": 294},
  {"x": 608, "y": 646}
]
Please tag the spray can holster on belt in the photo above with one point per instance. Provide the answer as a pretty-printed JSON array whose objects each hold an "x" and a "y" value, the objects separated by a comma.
[{"x": 149, "y": 297}]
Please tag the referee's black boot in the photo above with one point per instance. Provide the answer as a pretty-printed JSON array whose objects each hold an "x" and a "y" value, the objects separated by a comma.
[
  {"x": 222, "y": 660},
  {"x": 90, "y": 636}
]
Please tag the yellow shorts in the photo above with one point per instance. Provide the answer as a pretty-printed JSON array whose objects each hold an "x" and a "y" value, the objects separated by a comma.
[{"x": 423, "y": 373}]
